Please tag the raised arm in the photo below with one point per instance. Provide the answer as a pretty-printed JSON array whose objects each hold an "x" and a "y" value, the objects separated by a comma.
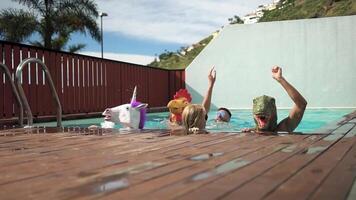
[
  {"x": 207, "y": 99},
  {"x": 297, "y": 111}
]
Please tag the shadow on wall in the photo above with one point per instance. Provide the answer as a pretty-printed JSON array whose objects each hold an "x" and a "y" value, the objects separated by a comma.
[{"x": 198, "y": 98}]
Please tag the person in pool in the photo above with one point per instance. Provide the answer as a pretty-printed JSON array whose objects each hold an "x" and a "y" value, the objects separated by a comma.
[
  {"x": 223, "y": 115},
  {"x": 265, "y": 112},
  {"x": 194, "y": 116}
]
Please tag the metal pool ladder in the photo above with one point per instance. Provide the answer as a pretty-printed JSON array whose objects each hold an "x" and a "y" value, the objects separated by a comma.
[
  {"x": 14, "y": 90},
  {"x": 23, "y": 96}
]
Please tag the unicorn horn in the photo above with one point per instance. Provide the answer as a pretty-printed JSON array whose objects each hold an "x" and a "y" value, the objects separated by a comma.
[{"x": 134, "y": 95}]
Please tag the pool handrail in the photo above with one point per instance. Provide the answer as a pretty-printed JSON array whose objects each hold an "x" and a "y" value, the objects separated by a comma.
[
  {"x": 52, "y": 88},
  {"x": 14, "y": 90}
]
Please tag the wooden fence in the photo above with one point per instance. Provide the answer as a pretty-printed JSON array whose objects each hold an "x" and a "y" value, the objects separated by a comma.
[{"x": 84, "y": 84}]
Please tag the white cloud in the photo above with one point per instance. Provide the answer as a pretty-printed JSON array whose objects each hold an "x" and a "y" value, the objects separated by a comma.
[
  {"x": 131, "y": 58},
  {"x": 182, "y": 22},
  {"x": 5, "y": 4},
  {"x": 175, "y": 21}
]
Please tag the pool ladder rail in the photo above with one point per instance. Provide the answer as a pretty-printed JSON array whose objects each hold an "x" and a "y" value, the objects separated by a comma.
[
  {"x": 23, "y": 96},
  {"x": 4, "y": 68}
]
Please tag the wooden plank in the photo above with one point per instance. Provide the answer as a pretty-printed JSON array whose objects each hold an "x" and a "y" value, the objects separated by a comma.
[
  {"x": 74, "y": 159},
  {"x": 252, "y": 152},
  {"x": 91, "y": 85},
  {"x": 328, "y": 128},
  {"x": 101, "y": 105},
  {"x": 145, "y": 85},
  {"x": 54, "y": 74},
  {"x": 37, "y": 151},
  {"x": 178, "y": 80},
  {"x": 110, "y": 84},
  {"x": 42, "y": 91},
  {"x": 241, "y": 175},
  {"x": 71, "y": 94},
  {"x": 16, "y": 58},
  {"x": 58, "y": 69},
  {"x": 164, "y": 167},
  {"x": 79, "y": 84},
  {"x": 45, "y": 98},
  {"x": 183, "y": 79},
  {"x": 274, "y": 177},
  {"x": 339, "y": 182},
  {"x": 50, "y": 59},
  {"x": 59, "y": 148},
  {"x": 307, "y": 180},
  {"x": 32, "y": 100},
  {"x": 65, "y": 84},
  {"x": 95, "y": 88},
  {"x": 105, "y": 85},
  {"x": 124, "y": 88},
  {"x": 343, "y": 129},
  {"x": 8, "y": 98},
  {"x": 351, "y": 133},
  {"x": 74, "y": 83},
  {"x": 90, "y": 166},
  {"x": 85, "y": 84},
  {"x": 26, "y": 78},
  {"x": 119, "y": 90},
  {"x": 339, "y": 132},
  {"x": 100, "y": 88},
  {"x": 32, "y": 137},
  {"x": 63, "y": 143},
  {"x": 172, "y": 86},
  {"x": 2, "y": 85}
]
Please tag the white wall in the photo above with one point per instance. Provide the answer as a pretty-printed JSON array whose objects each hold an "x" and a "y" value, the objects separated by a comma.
[{"x": 318, "y": 58}]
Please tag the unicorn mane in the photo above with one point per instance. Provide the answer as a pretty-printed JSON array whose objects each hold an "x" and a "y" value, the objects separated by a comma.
[{"x": 134, "y": 104}]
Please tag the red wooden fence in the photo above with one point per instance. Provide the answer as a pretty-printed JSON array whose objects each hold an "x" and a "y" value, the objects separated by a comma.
[{"x": 84, "y": 84}]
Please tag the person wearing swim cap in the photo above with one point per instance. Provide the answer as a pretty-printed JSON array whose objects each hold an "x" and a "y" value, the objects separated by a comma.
[
  {"x": 265, "y": 111},
  {"x": 223, "y": 115}
]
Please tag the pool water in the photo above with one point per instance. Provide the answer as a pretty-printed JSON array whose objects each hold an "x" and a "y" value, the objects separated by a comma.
[{"x": 313, "y": 119}]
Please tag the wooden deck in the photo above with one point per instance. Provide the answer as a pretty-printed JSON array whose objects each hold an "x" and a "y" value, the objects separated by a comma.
[{"x": 46, "y": 163}]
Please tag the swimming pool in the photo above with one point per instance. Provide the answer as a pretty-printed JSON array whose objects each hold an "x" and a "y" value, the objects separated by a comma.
[{"x": 313, "y": 119}]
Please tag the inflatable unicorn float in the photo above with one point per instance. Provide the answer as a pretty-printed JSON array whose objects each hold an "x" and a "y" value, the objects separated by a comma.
[{"x": 130, "y": 116}]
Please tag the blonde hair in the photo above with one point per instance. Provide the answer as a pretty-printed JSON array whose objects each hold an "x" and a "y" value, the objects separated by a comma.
[{"x": 193, "y": 118}]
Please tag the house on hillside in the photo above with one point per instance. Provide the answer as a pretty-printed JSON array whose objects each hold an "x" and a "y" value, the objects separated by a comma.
[{"x": 253, "y": 17}]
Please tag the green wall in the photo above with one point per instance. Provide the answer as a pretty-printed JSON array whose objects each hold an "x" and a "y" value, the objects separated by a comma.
[{"x": 318, "y": 58}]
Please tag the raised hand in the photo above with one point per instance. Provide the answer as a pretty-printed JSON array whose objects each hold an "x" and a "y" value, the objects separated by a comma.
[
  {"x": 277, "y": 73},
  {"x": 212, "y": 76},
  {"x": 207, "y": 98},
  {"x": 296, "y": 113}
]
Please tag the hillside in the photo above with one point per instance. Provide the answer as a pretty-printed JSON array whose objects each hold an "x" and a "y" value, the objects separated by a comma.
[
  {"x": 286, "y": 10},
  {"x": 304, "y": 9},
  {"x": 182, "y": 58}
]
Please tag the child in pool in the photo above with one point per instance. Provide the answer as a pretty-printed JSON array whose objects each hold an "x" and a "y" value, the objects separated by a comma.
[
  {"x": 223, "y": 115},
  {"x": 265, "y": 111},
  {"x": 194, "y": 116}
]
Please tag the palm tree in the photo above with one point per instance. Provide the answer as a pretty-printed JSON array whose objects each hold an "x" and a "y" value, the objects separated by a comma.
[
  {"x": 16, "y": 25},
  {"x": 56, "y": 20}
]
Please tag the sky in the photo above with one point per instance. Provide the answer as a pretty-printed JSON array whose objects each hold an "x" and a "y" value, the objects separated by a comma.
[{"x": 138, "y": 30}]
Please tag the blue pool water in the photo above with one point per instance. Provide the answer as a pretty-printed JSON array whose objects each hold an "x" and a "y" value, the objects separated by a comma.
[{"x": 313, "y": 119}]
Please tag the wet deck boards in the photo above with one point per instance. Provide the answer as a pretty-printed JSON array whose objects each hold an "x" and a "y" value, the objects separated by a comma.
[{"x": 41, "y": 164}]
